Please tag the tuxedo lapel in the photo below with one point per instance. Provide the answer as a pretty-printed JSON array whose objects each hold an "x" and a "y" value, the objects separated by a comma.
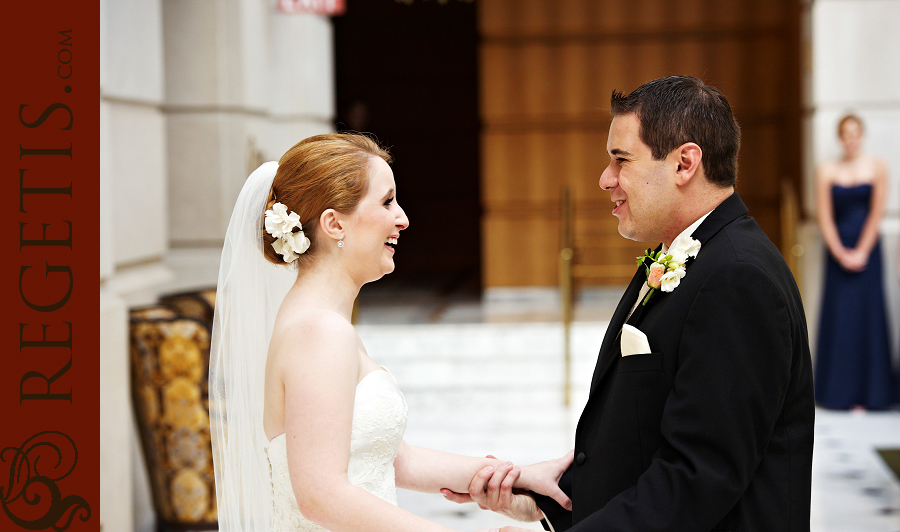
[{"x": 610, "y": 347}]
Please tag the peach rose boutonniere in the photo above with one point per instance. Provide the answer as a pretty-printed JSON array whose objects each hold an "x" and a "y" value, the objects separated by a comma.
[{"x": 668, "y": 268}]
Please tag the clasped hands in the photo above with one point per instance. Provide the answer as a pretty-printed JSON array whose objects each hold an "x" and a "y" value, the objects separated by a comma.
[
  {"x": 504, "y": 489},
  {"x": 853, "y": 260}
]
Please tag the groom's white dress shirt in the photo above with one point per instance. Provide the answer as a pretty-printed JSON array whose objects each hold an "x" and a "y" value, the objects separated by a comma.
[{"x": 687, "y": 232}]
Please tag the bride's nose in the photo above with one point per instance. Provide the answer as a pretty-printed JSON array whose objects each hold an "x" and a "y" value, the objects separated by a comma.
[{"x": 402, "y": 220}]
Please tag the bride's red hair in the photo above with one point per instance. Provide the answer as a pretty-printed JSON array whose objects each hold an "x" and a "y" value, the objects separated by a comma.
[{"x": 321, "y": 172}]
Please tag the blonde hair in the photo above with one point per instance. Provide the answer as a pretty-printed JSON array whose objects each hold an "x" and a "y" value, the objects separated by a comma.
[{"x": 318, "y": 173}]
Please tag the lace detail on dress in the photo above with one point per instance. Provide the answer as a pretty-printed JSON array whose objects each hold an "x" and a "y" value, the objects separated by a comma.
[
  {"x": 379, "y": 420},
  {"x": 286, "y": 514}
]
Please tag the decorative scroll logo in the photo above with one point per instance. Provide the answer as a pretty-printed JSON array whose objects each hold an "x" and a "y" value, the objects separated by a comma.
[{"x": 31, "y": 498}]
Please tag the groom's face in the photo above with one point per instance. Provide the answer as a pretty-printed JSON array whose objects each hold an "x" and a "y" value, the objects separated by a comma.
[{"x": 642, "y": 188}]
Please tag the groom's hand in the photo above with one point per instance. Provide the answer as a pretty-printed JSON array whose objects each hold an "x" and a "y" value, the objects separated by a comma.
[{"x": 543, "y": 478}]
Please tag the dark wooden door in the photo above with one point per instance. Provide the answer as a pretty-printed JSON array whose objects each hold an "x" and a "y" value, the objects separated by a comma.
[{"x": 547, "y": 68}]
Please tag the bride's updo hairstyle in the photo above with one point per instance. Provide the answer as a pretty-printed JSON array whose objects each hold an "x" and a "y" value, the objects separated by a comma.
[{"x": 321, "y": 172}]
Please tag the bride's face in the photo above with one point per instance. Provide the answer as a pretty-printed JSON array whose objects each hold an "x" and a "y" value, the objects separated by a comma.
[{"x": 373, "y": 229}]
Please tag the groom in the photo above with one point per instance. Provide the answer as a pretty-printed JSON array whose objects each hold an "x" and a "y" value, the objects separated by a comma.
[{"x": 707, "y": 422}]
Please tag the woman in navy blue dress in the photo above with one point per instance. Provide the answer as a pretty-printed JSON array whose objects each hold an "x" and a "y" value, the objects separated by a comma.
[{"x": 853, "y": 362}]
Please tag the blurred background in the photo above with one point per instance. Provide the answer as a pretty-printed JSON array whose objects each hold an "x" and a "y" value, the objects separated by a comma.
[{"x": 496, "y": 112}]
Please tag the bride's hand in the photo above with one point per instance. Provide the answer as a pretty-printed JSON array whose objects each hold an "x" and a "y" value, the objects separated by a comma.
[{"x": 543, "y": 478}]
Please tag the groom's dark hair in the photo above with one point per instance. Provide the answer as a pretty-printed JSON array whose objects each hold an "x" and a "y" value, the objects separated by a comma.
[{"x": 679, "y": 109}]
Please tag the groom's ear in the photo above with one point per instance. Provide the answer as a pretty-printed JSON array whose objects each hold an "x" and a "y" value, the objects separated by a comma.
[
  {"x": 331, "y": 223},
  {"x": 688, "y": 157}
]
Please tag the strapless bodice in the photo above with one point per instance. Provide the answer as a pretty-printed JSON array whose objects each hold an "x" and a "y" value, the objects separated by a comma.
[
  {"x": 850, "y": 206},
  {"x": 379, "y": 420}
]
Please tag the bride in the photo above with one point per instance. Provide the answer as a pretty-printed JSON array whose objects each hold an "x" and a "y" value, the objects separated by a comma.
[{"x": 307, "y": 429}]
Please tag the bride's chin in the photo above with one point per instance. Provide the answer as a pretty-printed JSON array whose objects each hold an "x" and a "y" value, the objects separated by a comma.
[{"x": 384, "y": 271}]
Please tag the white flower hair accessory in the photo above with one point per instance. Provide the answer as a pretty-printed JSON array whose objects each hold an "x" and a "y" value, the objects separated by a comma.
[
  {"x": 667, "y": 269},
  {"x": 290, "y": 241}
]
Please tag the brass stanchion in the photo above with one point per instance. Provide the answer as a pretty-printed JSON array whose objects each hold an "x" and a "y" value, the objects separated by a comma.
[
  {"x": 566, "y": 255},
  {"x": 565, "y": 282},
  {"x": 790, "y": 215}
]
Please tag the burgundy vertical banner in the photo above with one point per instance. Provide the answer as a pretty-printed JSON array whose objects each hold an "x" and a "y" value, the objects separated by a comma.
[{"x": 49, "y": 273}]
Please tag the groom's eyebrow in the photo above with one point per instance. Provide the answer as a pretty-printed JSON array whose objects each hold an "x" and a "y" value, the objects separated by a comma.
[{"x": 617, "y": 151}]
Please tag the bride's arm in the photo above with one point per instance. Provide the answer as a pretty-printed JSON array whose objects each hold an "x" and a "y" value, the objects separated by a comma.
[
  {"x": 320, "y": 369},
  {"x": 429, "y": 470}
]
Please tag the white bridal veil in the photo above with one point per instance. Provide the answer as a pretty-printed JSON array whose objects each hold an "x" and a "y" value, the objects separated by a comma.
[{"x": 250, "y": 290}]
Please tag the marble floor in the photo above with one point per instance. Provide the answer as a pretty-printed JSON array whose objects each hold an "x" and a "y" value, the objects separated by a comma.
[{"x": 487, "y": 377}]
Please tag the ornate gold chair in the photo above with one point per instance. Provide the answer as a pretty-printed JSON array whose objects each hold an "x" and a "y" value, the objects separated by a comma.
[
  {"x": 198, "y": 305},
  {"x": 169, "y": 368}
]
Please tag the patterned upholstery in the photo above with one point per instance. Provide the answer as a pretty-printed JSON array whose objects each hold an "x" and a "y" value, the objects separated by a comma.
[
  {"x": 169, "y": 368},
  {"x": 198, "y": 305}
]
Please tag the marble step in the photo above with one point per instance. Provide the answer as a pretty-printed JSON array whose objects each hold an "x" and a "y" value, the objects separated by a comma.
[
  {"x": 483, "y": 388},
  {"x": 483, "y": 355}
]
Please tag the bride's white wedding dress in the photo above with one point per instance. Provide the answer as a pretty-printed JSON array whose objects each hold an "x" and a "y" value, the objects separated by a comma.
[{"x": 379, "y": 420}]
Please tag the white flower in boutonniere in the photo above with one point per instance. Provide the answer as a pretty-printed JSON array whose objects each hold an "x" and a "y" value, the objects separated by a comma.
[
  {"x": 288, "y": 232},
  {"x": 667, "y": 269}
]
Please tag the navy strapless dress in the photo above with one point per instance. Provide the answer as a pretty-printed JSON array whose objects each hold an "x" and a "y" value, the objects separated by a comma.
[{"x": 853, "y": 361}]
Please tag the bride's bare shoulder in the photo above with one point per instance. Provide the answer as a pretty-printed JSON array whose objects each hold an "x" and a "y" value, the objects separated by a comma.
[
  {"x": 304, "y": 315},
  {"x": 308, "y": 331}
]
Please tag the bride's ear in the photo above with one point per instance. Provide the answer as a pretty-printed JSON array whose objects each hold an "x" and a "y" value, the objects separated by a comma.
[{"x": 331, "y": 223}]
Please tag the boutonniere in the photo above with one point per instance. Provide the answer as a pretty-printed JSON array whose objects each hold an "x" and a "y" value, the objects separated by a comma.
[{"x": 666, "y": 269}]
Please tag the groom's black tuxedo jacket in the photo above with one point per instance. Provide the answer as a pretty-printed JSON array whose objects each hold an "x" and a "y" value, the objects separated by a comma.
[{"x": 713, "y": 429}]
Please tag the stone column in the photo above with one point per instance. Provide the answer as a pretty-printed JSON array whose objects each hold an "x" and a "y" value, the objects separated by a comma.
[
  {"x": 133, "y": 232},
  {"x": 243, "y": 84}
]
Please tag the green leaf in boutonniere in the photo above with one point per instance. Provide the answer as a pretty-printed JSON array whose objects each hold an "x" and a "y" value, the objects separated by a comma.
[{"x": 666, "y": 270}]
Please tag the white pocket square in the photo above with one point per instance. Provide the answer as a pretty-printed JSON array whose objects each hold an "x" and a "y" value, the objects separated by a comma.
[{"x": 633, "y": 341}]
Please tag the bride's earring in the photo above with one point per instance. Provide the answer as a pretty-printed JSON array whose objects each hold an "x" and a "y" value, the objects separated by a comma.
[{"x": 341, "y": 242}]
